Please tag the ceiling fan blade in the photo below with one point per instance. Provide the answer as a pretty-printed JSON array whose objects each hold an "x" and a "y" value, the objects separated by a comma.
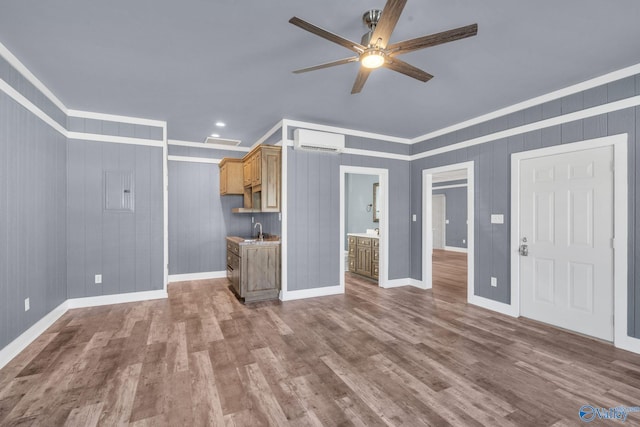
[
  {"x": 388, "y": 20},
  {"x": 361, "y": 79},
  {"x": 327, "y": 65},
  {"x": 353, "y": 46},
  {"x": 408, "y": 70},
  {"x": 433, "y": 39}
]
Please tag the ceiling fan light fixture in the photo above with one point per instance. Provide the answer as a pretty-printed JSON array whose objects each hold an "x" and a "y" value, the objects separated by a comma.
[{"x": 372, "y": 58}]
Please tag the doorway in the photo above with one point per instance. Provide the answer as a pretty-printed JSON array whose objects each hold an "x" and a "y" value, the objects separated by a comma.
[
  {"x": 453, "y": 264},
  {"x": 371, "y": 221}
]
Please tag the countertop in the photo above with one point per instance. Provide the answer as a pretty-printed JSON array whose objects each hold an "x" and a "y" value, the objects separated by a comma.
[
  {"x": 372, "y": 236},
  {"x": 268, "y": 240}
]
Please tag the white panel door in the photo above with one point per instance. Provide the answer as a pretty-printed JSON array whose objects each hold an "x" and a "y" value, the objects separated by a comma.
[
  {"x": 566, "y": 217},
  {"x": 439, "y": 206}
]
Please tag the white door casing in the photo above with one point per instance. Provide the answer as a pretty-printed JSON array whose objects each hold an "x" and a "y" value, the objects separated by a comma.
[
  {"x": 566, "y": 215},
  {"x": 439, "y": 209}
]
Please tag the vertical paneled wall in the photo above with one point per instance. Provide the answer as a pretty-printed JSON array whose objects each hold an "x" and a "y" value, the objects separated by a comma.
[
  {"x": 314, "y": 239},
  {"x": 125, "y": 247},
  {"x": 32, "y": 219},
  {"x": 200, "y": 219},
  {"x": 456, "y": 214},
  {"x": 492, "y": 179}
]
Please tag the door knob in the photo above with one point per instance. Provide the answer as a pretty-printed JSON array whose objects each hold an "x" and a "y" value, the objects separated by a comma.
[{"x": 524, "y": 248}]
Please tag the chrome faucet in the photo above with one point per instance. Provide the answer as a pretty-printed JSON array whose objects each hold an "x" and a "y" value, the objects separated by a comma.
[{"x": 260, "y": 236}]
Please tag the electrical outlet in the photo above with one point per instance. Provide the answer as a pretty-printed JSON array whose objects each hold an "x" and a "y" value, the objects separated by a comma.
[
  {"x": 494, "y": 282},
  {"x": 252, "y": 220},
  {"x": 446, "y": 221},
  {"x": 464, "y": 241},
  {"x": 27, "y": 304},
  {"x": 98, "y": 279},
  {"x": 279, "y": 216},
  {"x": 415, "y": 217}
]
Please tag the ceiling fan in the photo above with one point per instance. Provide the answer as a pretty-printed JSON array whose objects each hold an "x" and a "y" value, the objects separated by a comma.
[{"x": 374, "y": 50}]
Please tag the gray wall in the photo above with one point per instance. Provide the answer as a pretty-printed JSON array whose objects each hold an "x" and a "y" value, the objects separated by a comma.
[
  {"x": 29, "y": 91},
  {"x": 359, "y": 194},
  {"x": 200, "y": 219},
  {"x": 456, "y": 206},
  {"x": 125, "y": 247},
  {"x": 105, "y": 127},
  {"x": 32, "y": 219},
  {"x": 314, "y": 216},
  {"x": 492, "y": 179}
]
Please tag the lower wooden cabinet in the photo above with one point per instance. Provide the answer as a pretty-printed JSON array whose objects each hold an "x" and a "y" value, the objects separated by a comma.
[
  {"x": 254, "y": 269},
  {"x": 364, "y": 256}
]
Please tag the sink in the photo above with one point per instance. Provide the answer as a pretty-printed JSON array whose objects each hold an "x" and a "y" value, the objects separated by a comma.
[{"x": 250, "y": 240}]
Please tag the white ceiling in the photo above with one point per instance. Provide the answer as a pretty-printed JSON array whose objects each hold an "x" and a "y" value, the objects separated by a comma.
[{"x": 194, "y": 62}]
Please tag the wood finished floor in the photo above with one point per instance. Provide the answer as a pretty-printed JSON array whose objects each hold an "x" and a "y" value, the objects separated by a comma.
[{"x": 371, "y": 357}]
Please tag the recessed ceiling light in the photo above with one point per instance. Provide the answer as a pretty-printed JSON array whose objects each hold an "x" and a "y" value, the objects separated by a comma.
[
  {"x": 215, "y": 135},
  {"x": 221, "y": 124}
]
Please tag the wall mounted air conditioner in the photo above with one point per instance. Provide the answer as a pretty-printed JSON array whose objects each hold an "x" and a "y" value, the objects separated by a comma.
[{"x": 305, "y": 139}]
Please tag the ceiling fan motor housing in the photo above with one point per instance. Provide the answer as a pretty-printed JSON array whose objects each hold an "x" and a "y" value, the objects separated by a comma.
[{"x": 370, "y": 19}]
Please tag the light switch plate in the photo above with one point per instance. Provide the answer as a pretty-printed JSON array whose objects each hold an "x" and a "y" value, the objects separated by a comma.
[
  {"x": 415, "y": 217},
  {"x": 27, "y": 304},
  {"x": 494, "y": 282},
  {"x": 497, "y": 219},
  {"x": 98, "y": 279},
  {"x": 446, "y": 221}
]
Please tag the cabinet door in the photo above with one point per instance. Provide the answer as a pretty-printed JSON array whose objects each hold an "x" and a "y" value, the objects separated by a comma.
[
  {"x": 246, "y": 172},
  {"x": 261, "y": 271},
  {"x": 363, "y": 260},
  {"x": 223, "y": 179},
  {"x": 257, "y": 169},
  {"x": 271, "y": 184}
]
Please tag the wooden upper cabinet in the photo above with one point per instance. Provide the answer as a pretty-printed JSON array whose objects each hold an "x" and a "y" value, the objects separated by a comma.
[
  {"x": 270, "y": 171},
  {"x": 257, "y": 169},
  {"x": 231, "y": 176},
  {"x": 246, "y": 173},
  {"x": 261, "y": 180}
]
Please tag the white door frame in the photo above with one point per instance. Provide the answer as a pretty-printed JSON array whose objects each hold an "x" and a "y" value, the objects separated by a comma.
[
  {"x": 427, "y": 225},
  {"x": 383, "y": 179},
  {"x": 620, "y": 199}
]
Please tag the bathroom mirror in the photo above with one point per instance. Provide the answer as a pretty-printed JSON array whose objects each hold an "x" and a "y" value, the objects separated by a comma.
[{"x": 376, "y": 197}]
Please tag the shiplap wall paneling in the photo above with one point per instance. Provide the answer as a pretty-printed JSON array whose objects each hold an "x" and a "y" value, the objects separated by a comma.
[
  {"x": 29, "y": 91},
  {"x": 124, "y": 247},
  {"x": 200, "y": 219},
  {"x": 456, "y": 210},
  {"x": 32, "y": 219}
]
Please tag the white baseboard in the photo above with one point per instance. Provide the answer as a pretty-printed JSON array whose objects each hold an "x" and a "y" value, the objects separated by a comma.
[
  {"x": 455, "y": 249},
  {"x": 395, "y": 283},
  {"x": 14, "y": 348},
  {"x": 417, "y": 284},
  {"x": 115, "y": 299},
  {"x": 312, "y": 293},
  {"x": 493, "y": 305},
  {"x": 628, "y": 343},
  {"x": 197, "y": 276}
]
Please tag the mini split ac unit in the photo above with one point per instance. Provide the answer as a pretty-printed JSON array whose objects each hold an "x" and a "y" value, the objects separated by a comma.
[{"x": 304, "y": 139}]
